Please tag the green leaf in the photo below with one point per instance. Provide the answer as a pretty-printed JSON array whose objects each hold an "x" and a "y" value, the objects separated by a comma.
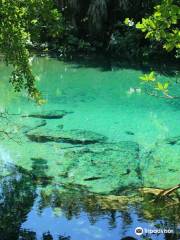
[
  {"x": 162, "y": 87},
  {"x": 34, "y": 21},
  {"x": 148, "y": 77}
]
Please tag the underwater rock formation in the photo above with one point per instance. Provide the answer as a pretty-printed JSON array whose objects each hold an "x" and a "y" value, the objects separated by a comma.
[
  {"x": 58, "y": 114},
  {"x": 159, "y": 168},
  {"x": 75, "y": 136},
  {"x": 102, "y": 168},
  {"x": 86, "y": 159},
  {"x": 173, "y": 140}
]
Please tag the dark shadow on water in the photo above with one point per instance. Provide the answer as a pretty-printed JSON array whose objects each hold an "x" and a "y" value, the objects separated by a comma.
[{"x": 105, "y": 63}]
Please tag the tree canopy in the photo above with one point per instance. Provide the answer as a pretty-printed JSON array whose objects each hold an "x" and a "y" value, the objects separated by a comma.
[
  {"x": 23, "y": 24},
  {"x": 163, "y": 25},
  {"x": 84, "y": 26}
]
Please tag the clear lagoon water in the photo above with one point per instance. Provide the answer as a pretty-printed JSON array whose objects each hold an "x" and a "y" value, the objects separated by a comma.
[{"x": 71, "y": 168}]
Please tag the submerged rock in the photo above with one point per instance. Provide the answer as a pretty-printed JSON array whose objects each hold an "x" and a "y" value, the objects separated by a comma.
[
  {"x": 16, "y": 125},
  {"x": 160, "y": 168},
  {"x": 48, "y": 114},
  {"x": 173, "y": 140},
  {"x": 129, "y": 133},
  {"x": 102, "y": 168},
  {"x": 92, "y": 178},
  {"x": 76, "y": 136},
  {"x": 30, "y": 125}
]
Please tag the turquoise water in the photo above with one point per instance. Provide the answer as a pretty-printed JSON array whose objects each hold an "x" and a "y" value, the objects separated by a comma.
[{"x": 76, "y": 163}]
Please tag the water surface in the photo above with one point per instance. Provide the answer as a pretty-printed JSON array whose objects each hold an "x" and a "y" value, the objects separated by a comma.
[{"x": 67, "y": 190}]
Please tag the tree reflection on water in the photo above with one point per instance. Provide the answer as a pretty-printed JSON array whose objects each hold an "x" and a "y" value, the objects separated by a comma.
[{"x": 21, "y": 192}]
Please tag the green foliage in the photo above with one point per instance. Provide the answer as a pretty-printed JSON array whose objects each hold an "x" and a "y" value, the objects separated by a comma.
[
  {"x": 94, "y": 23},
  {"x": 71, "y": 43},
  {"x": 156, "y": 85},
  {"x": 129, "y": 22},
  {"x": 126, "y": 42},
  {"x": 23, "y": 24},
  {"x": 148, "y": 77},
  {"x": 162, "y": 25},
  {"x": 162, "y": 87},
  {"x": 76, "y": 26}
]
